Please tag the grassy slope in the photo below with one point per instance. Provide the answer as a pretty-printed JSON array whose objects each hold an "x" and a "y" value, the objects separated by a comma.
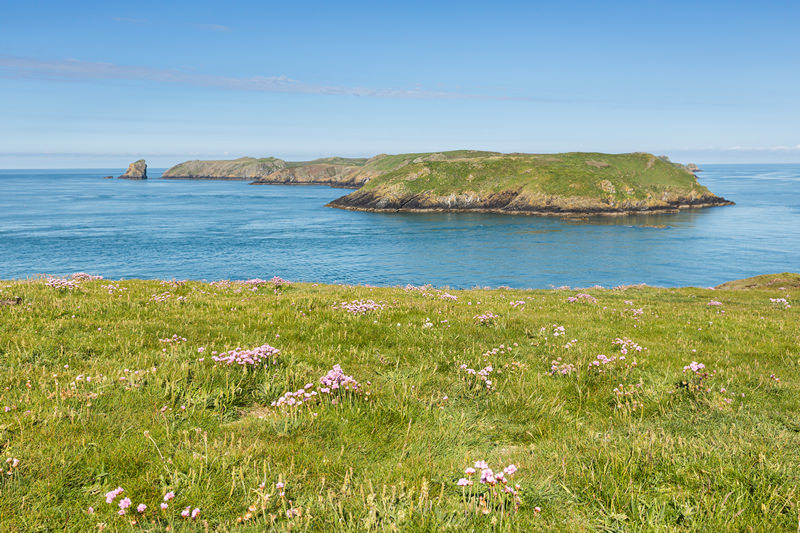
[
  {"x": 244, "y": 167},
  {"x": 566, "y": 174},
  {"x": 335, "y": 160},
  {"x": 389, "y": 461}
]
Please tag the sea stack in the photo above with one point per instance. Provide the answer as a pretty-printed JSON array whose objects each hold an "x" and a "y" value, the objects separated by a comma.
[{"x": 136, "y": 171}]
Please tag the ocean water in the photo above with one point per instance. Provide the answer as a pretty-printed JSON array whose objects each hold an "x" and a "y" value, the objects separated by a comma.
[{"x": 62, "y": 221}]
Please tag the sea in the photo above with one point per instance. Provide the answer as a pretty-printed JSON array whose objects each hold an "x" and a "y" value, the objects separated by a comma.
[{"x": 56, "y": 222}]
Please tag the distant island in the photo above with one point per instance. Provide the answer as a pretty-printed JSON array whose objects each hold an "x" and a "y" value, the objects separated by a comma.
[{"x": 567, "y": 184}]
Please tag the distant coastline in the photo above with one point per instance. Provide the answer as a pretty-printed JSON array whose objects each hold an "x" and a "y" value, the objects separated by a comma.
[{"x": 574, "y": 184}]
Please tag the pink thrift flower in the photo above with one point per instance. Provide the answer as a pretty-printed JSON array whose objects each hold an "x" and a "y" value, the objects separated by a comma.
[
  {"x": 186, "y": 512},
  {"x": 168, "y": 496},
  {"x": 164, "y": 506},
  {"x": 463, "y": 482},
  {"x": 141, "y": 508},
  {"x": 195, "y": 512},
  {"x": 279, "y": 485},
  {"x": 125, "y": 503}
]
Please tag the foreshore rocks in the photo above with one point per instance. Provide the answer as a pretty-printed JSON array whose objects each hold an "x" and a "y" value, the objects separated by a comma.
[
  {"x": 519, "y": 202},
  {"x": 136, "y": 171}
]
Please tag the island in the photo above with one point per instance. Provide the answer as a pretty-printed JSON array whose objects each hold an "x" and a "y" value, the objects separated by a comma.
[
  {"x": 566, "y": 184},
  {"x": 136, "y": 171}
]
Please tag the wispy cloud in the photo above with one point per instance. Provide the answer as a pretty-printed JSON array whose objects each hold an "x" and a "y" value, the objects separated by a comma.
[
  {"x": 219, "y": 28},
  {"x": 778, "y": 148},
  {"x": 13, "y": 67}
]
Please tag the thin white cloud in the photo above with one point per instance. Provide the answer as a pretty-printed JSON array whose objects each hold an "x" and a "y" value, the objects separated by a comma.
[
  {"x": 778, "y": 148},
  {"x": 219, "y": 28},
  {"x": 13, "y": 67}
]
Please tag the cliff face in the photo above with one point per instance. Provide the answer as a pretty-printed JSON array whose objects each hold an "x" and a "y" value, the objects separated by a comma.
[
  {"x": 519, "y": 202},
  {"x": 136, "y": 171},
  {"x": 554, "y": 184},
  {"x": 315, "y": 174},
  {"x": 244, "y": 168}
]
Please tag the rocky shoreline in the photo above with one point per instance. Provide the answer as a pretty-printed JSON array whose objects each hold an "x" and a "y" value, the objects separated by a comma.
[
  {"x": 514, "y": 202},
  {"x": 548, "y": 212}
]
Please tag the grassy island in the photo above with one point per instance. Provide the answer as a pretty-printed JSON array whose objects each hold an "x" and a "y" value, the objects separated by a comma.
[
  {"x": 553, "y": 184},
  {"x": 264, "y": 405}
]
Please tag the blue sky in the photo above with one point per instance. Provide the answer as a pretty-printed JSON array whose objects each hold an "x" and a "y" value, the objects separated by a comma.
[{"x": 95, "y": 84}]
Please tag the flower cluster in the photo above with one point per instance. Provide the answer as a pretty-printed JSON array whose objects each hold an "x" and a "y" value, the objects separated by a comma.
[
  {"x": 62, "y": 284},
  {"x": 262, "y": 355},
  {"x": 625, "y": 396},
  {"x": 714, "y": 303},
  {"x": 175, "y": 339},
  {"x": 174, "y": 283},
  {"x": 83, "y": 276},
  {"x": 558, "y": 330},
  {"x": 602, "y": 363},
  {"x": 486, "y": 319},
  {"x": 499, "y": 483},
  {"x": 12, "y": 465},
  {"x": 359, "y": 307},
  {"x": 164, "y": 296},
  {"x": 448, "y": 296},
  {"x": 125, "y": 503},
  {"x": 502, "y": 349},
  {"x": 582, "y": 297},
  {"x": 114, "y": 289},
  {"x": 626, "y": 345},
  {"x": 698, "y": 376},
  {"x": 479, "y": 377},
  {"x": 559, "y": 368},
  {"x": 517, "y": 303},
  {"x": 334, "y": 384},
  {"x": 695, "y": 367},
  {"x": 571, "y": 343},
  {"x": 780, "y": 302}
]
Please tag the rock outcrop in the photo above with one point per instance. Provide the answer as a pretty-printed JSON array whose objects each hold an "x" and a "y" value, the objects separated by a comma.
[{"x": 136, "y": 171}]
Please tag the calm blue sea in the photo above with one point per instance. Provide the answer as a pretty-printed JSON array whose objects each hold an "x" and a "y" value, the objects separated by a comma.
[{"x": 63, "y": 221}]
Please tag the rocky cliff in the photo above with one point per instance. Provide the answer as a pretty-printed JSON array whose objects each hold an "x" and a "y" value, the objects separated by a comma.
[
  {"x": 136, "y": 171},
  {"x": 315, "y": 174}
]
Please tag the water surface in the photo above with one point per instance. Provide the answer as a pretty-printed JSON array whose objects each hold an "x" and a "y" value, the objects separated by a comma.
[{"x": 62, "y": 221}]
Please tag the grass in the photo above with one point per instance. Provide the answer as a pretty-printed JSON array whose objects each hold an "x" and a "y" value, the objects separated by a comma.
[
  {"x": 670, "y": 456},
  {"x": 635, "y": 176}
]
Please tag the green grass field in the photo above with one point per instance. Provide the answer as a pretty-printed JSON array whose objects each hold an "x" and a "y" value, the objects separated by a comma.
[{"x": 91, "y": 399}]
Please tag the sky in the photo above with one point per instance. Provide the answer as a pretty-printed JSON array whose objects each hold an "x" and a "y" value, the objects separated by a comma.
[{"x": 98, "y": 84}]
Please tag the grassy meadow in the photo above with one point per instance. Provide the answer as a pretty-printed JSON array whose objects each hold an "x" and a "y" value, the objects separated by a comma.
[{"x": 689, "y": 420}]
